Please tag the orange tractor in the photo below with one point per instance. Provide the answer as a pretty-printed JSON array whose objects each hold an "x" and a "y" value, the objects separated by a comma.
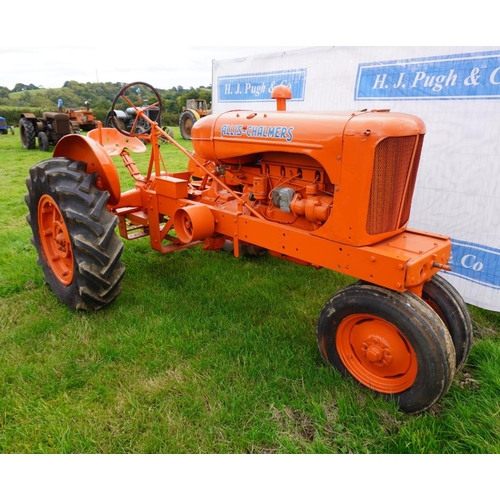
[
  {"x": 332, "y": 190},
  {"x": 83, "y": 119}
]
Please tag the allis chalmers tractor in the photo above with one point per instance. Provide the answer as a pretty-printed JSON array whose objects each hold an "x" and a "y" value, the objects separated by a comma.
[
  {"x": 191, "y": 113},
  {"x": 332, "y": 190}
]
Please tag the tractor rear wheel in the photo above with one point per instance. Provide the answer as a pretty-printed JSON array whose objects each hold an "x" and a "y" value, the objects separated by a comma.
[
  {"x": 393, "y": 343},
  {"x": 28, "y": 133},
  {"x": 74, "y": 234},
  {"x": 186, "y": 122},
  {"x": 451, "y": 308}
]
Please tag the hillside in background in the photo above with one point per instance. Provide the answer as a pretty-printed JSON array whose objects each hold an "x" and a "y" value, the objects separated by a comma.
[{"x": 99, "y": 96}]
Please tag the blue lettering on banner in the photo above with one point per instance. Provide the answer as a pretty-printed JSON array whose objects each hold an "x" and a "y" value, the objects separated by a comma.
[
  {"x": 259, "y": 86},
  {"x": 462, "y": 76},
  {"x": 477, "y": 263}
]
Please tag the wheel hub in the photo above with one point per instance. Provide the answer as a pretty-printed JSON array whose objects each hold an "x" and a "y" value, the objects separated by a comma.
[
  {"x": 60, "y": 240},
  {"x": 377, "y": 351}
]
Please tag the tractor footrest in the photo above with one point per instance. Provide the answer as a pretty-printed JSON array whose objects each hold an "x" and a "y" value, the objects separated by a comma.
[
  {"x": 132, "y": 223},
  {"x": 125, "y": 210}
]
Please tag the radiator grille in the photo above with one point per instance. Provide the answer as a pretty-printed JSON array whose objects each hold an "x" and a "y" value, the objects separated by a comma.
[{"x": 393, "y": 179}]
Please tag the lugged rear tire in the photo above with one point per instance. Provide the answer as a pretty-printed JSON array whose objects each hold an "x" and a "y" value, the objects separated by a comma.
[
  {"x": 28, "y": 133},
  {"x": 74, "y": 234},
  {"x": 186, "y": 122}
]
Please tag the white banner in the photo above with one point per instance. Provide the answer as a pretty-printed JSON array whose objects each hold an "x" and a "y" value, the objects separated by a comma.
[{"x": 455, "y": 90}]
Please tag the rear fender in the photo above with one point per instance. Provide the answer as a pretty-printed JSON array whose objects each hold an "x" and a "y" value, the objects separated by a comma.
[
  {"x": 195, "y": 113},
  {"x": 82, "y": 148}
]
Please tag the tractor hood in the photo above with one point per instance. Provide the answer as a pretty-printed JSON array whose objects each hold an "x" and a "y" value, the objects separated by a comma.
[{"x": 237, "y": 136}]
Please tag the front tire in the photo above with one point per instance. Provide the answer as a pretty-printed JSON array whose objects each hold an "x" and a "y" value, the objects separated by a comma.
[
  {"x": 43, "y": 141},
  {"x": 452, "y": 309},
  {"x": 74, "y": 234},
  {"x": 168, "y": 131},
  {"x": 393, "y": 343}
]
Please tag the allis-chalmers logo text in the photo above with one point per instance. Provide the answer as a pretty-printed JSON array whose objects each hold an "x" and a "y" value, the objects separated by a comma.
[
  {"x": 462, "y": 76},
  {"x": 259, "y": 131}
]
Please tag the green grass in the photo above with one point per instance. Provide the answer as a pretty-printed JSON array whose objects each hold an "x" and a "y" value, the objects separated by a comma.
[{"x": 202, "y": 353}]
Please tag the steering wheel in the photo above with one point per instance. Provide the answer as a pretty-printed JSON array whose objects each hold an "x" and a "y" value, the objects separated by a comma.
[{"x": 131, "y": 94}]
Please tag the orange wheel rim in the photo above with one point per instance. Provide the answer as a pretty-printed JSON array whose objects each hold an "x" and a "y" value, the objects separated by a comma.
[
  {"x": 54, "y": 238},
  {"x": 376, "y": 353}
]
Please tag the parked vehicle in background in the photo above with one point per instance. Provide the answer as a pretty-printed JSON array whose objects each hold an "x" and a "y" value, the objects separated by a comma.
[
  {"x": 194, "y": 110},
  {"x": 4, "y": 127},
  {"x": 47, "y": 129},
  {"x": 82, "y": 118}
]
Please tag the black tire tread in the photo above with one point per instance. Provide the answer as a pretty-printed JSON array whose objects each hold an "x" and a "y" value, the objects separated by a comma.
[
  {"x": 27, "y": 133},
  {"x": 91, "y": 226},
  {"x": 185, "y": 115},
  {"x": 453, "y": 310},
  {"x": 433, "y": 344}
]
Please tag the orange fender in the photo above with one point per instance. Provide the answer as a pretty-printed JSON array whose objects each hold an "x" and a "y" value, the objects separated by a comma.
[{"x": 81, "y": 148}]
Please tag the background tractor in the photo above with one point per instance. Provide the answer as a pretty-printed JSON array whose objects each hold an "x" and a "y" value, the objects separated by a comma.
[
  {"x": 332, "y": 190},
  {"x": 82, "y": 119},
  {"x": 47, "y": 130},
  {"x": 4, "y": 127},
  {"x": 129, "y": 121},
  {"x": 191, "y": 113}
]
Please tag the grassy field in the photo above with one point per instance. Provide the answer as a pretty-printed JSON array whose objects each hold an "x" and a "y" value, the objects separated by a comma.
[{"x": 202, "y": 353}]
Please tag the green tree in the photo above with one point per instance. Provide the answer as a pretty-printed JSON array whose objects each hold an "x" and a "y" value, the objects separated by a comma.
[{"x": 19, "y": 87}]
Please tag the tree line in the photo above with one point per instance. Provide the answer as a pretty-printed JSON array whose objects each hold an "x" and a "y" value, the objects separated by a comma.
[{"x": 29, "y": 98}]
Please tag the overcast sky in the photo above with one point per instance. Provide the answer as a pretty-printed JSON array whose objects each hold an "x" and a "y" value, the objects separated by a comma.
[
  {"x": 162, "y": 43},
  {"x": 50, "y": 67}
]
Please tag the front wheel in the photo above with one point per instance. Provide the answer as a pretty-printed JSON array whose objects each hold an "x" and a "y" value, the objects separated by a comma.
[
  {"x": 452, "y": 309},
  {"x": 393, "y": 343},
  {"x": 168, "y": 131},
  {"x": 74, "y": 234},
  {"x": 43, "y": 141}
]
